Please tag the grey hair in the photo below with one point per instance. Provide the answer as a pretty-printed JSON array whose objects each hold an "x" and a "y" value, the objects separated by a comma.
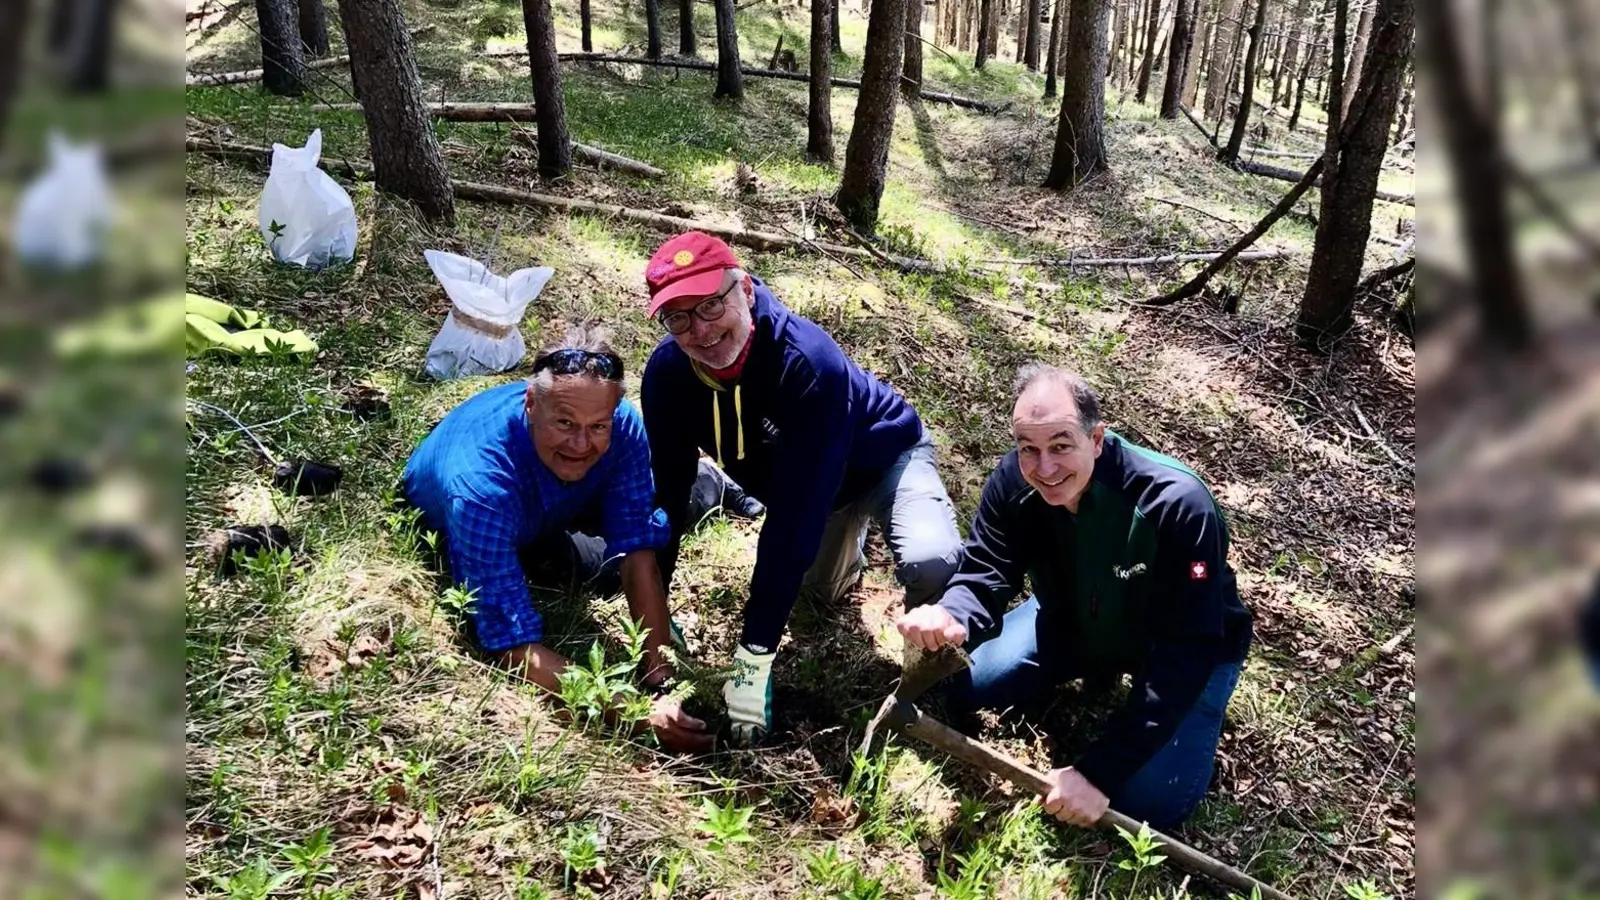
[
  {"x": 589, "y": 336},
  {"x": 1084, "y": 396}
]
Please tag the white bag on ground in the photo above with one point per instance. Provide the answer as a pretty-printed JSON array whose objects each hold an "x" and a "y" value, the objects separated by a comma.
[
  {"x": 480, "y": 336},
  {"x": 63, "y": 215},
  {"x": 314, "y": 218}
]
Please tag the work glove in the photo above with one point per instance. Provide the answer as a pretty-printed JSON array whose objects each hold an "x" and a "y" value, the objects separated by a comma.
[{"x": 748, "y": 692}]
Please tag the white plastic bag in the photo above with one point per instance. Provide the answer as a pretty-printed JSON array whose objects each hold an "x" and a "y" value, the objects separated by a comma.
[
  {"x": 62, "y": 217},
  {"x": 480, "y": 336},
  {"x": 306, "y": 218}
]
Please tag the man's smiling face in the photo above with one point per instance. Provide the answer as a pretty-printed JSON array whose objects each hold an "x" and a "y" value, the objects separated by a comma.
[
  {"x": 571, "y": 423},
  {"x": 1054, "y": 450},
  {"x": 716, "y": 344}
]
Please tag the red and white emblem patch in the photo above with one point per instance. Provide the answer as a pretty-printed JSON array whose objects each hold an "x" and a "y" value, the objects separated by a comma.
[{"x": 1197, "y": 571}]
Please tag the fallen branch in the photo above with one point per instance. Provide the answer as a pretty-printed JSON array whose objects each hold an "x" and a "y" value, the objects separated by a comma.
[
  {"x": 460, "y": 112},
  {"x": 703, "y": 66},
  {"x": 211, "y": 79},
  {"x": 1385, "y": 274},
  {"x": 1204, "y": 212},
  {"x": 600, "y": 158},
  {"x": 1553, "y": 210},
  {"x": 1103, "y": 262},
  {"x": 1195, "y": 285},
  {"x": 488, "y": 193},
  {"x": 1382, "y": 444}
]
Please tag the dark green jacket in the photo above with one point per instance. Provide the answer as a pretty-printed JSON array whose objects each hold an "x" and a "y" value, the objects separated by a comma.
[{"x": 1137, "y": 581}]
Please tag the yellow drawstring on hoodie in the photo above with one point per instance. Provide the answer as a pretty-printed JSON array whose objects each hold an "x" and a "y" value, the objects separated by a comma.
[{"x": 716, "y": 412}]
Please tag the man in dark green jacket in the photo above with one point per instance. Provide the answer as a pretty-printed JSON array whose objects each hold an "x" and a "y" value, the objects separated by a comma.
[{"x": 1127, "y": 552}]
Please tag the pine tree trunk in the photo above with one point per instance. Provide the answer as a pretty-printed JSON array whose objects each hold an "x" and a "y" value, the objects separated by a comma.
[
  {"x": 1346, "y": 220},
  {"x": 1119, "y": 25},
  {"x": 819, "y": 110},
  {"x": 1224, "y": 50},
  {"x": 1580, "y": 46},
  {"x": 313, "y": 28},
  {"x": 1031, "y": 49},
  {"x": 14, "y": 24},
  {"x": 730, "y": 78},
  {"x": 1473, "y": 147},
  {"x": 834, "y": 39},
  {"x": 1312, "y": 58},
  {"x": 1080, "y": 149},
  {"x": 1358, "y": 53},
  {"x": 652, "y": 29},
  {"x": 1198, "y": 44},
  {"x": 995, "y": 8},
  {"x": 406, "y": 160},
  {"x": 81, "y": 37},
  {"x": 1252, "y": 58},
  {"x": 1137, "y": 14},
  {"x": 544, "y": 68},
  {"x": 1148, "y": 60},
  {"x": 686, "y": 40},
  {"x": 911, "y": 67},
  {"x": 866, "y": 158},
  {"x": 283, "y": 66},
  {"x": 1054, "y": 50},
  {"x": 1022, "y": 28},
  {"x": 586, "y": 25},
  {"x": 1182, "y": 41},
  {"x": 1283, "y": 79},
  {"x": 985, "y": 12}
]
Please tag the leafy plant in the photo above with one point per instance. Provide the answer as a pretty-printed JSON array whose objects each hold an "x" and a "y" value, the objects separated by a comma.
[
  {"x": 726, "y": 824},
  {"x": 581, "y": 850},
  {"x": 254, "y": 882},
  {"x": 840, "y": 878},
  {"x": 595, "y": 689},
  {"x": 309, "y": 857},
  {"x": 1364, "y": 890},
  {"x": 458, "y": 601},
  {"x": 1144, "y": 846},
  {"x": 974, "y": 870}
]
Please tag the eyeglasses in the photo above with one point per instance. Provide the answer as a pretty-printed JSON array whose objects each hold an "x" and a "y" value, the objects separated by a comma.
[
  {"x": 707, "y": 310},
  {"x": 573, "y": 361}
]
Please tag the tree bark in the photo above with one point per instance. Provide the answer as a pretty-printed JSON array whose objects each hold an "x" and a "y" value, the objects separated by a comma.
[
  {"x": 985, "y": 12},
  {"x": 911, "y": 67},
  {"x": 1336, "y": 88},
  {"x": 1054, "y": 50},
  {"x": 1291, "y": 54},
  {"x": 1148, "y": 61},
  {"x": 1080, "y": 149},
  {"x": 819, "y": 110},
  {"x": 686, "y": 40},
  {"x": 1358, "y": 54},
  {"x": 1346, "y": 220},
  {"x": 1473, "y": 148},
  {"x": 995, "y": 9},
  {"x": 544, "y": 69},
  {"x": 1313, "y": 56},
  {"x": 866, "y": 158},
  {"x": 1198, "y": 44},
  {"x": 1219, "y": 67},
  {"x": 14, "y": 23},
  {"x": 1252, "y": 58},
  {"x": 282, "y": 65},
  {"x": 730, "y": 81},
  {"x": 652, "y": 28},
  {"x": 1182, "y": 40},
  {"x": 834, "y": 40},
  {"x": 405, "y": 153},
  {"x": 1022, "y": 28},
  {"x": 1031, "y": 49},
  {"x": 1579, "y": 47},
  {"x": 313, "y": 28}
]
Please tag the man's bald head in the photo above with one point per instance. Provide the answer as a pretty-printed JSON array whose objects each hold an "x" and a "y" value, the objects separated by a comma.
[{"x": 1041, "y": 389}]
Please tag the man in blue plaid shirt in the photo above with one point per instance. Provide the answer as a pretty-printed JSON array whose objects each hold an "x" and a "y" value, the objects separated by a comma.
[{"x": 507, "y": 474}]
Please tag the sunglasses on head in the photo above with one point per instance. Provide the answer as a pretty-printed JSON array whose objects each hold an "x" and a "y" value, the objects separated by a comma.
[{"x": 577, "y": 362}]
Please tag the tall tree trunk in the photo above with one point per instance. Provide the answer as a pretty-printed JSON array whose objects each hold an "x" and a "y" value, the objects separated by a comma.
[
  {"x": 1224, "y": 49},
  {"x": 405, "y": 154},
  {"x": 1031, "y": 49},
  {"x": 1252, "y": 57},
  {"x": 1182, "y": 40},
  {"x": 730, "y": 78},
  {"x": 1119, "y": 26},
  {"x": 14, "y": 24},
  {"x": 652, "y": 29},
  {"x": 911, "y": 67},
  {"x": 1358, "y": 53},
  {"x": 1473, "y": 147},
  {"x": 549, "y": 103},
  {"x": 1283, "y": 78},
  {"x": 1336, "y": 89},
  {"x": 1148, "y": 62},
  {"x": 313, "y": 28},
  {"x": 686, "y": 41},
  {"x": 1199, "y": 43},
  {"x": 1080, "y": 143},
  {"x": 1580, "y": 46},
  {"x": 1136, "y": 14},
  {"x": 1346, "y": 220},
  {"x": 81, "y": 36},
  {"x": 866, "y": 158},
  {"x": 985, "y": 13},
  {"x": 819, "y": 110},
  {"x": 1022, "y": 28},
  {"x": 283, "y": 66},
  {"x": 1054, "y": 50},
  {"x": 834, "y": 31},
  {"x": 995, "y": 8},
  {"x": 1313, "y": 57},
  {"x": 586, "y": 25}
]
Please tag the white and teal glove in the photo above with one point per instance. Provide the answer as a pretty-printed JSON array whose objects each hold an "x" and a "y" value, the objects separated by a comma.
[{"x": 748, "y": 692}]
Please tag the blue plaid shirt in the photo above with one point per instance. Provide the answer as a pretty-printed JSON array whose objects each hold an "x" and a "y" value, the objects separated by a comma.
[{"x": 479, "y": 481}]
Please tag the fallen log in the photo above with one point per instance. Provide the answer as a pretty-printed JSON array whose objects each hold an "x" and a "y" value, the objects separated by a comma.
[
  {"x": 600, "y": 158},
  {"x": 703, "y": 66},
  {"x": 1108, "y": 262},
  {"x": 211, "y": 79}
]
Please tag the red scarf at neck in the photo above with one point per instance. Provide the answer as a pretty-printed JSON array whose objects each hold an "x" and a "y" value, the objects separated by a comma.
[{"x": 737, "y": 366}]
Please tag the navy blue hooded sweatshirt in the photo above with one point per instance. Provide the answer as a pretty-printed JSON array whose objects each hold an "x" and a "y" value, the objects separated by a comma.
[{"x": 803, "y": 429}]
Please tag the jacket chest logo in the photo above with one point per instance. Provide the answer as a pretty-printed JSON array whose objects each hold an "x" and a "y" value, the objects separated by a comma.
[
  {"x": 769, "y": 429},
  {"x": 1125, "y": 574}
]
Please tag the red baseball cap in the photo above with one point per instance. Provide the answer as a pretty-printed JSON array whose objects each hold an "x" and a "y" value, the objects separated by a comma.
[{"x": 688, "y": 265}]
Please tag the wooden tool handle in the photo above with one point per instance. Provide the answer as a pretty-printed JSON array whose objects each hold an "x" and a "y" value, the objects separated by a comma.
[{"x": 953, "y": 742}]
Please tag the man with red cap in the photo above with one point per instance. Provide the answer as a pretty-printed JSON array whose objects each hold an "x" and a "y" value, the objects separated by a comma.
[{"x": 822, "y": 443}]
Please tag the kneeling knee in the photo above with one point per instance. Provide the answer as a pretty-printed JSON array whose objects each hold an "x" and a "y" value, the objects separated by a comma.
[{"x": 925, "y": 579}]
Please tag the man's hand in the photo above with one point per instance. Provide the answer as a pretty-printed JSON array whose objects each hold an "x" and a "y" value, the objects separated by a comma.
[
  {"x": 1073, "y": 800},
  {"x": 748, "y": 692},
  {"x": 931, "y": 627},
  {"x": 678, "y": 731}
]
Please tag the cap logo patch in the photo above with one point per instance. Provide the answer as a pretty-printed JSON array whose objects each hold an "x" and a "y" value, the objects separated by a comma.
[
  {"x": 658, "y": 271},
  {"x": 682, "y": 258},
  {"x": 1197, "y": 571}
]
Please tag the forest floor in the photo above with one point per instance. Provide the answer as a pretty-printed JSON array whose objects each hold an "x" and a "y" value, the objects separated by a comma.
[{"x": 336, "y": 715}]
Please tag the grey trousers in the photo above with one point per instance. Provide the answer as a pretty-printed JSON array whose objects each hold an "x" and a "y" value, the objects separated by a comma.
[{"x": 918, "y": 520}]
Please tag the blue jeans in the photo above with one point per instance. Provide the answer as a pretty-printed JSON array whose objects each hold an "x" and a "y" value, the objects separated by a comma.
[{"x": 1009, "y": 670}]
